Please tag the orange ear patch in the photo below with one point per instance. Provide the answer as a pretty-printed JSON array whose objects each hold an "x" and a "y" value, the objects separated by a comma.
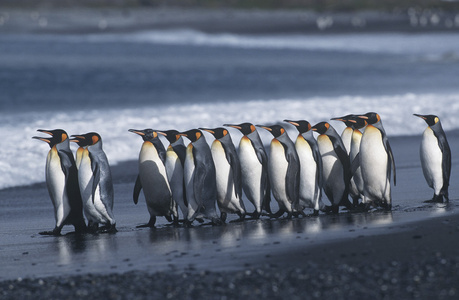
[
  {"x": 95, "y": 139},
  {"x": 198, "y": 135},
  {"x": 282, "y": 130},
  {"x": 252, "y": 128},
  {"x": 64, "y": 137}
]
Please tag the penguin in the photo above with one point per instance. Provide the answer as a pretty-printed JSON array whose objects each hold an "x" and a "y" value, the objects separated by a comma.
[
  {"x": 376, "y": 162},
  {"x": 347, "y": 136},
  {"x": 435, "y": 157},
  {"x": 254, "y": 168},
  {"x": 356, "y": 188},
  {"x": 228, "y": 170},
  {"x": 175, "y": 161},
  {"x": 62, "y": 183},
  {"x": 336, "y": 168},
  {"x": 96, "y": 185},
  {"x": 310, "y": 167},
  {"x": 153, "y": 179},
  {"x": 200, "y": 179},
  {"x": 284, "y": 171}
]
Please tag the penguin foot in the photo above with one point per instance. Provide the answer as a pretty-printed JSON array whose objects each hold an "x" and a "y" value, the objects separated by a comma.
[
  {"x": 223, "y": 216},
  {"x": 435, "y": 199},
  {"x": 255, "y": 215},
  {"x": 200, "y": 220},
  {"x": 110, "y": 228},
  {"x": 315, "y": 213},
  {"x": 55, "y": 232},
  {"x": 277, "y": 215},
  {"x": 217, "y": 222},
  {"x": 151, "y": 223}
]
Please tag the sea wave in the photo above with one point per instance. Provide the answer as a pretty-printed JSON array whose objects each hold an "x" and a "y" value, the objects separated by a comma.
[
  {"x": 395, "y": 43},
  {"x": 23, "y": 159}
]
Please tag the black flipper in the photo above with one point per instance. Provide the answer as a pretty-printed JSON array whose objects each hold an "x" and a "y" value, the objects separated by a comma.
[
  {"x": 95, "y": 175},
  {"x": 137, "y": 189},
  {"x": 446, "y": 159}
]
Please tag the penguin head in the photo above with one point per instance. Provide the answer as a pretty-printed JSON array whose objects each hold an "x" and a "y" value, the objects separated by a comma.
[
  {"x": 371, "y": 117},
  {"x": 81, "y": 140},
  {"x": 218, "y": 133},
  {"x": 346, "y": 120},
  {"x": 245, "y": 128},
  {"x": 88, "y": 139},
  {"x": 321, "y": 127},
  {"x": 302, "y": 125},
  {"x": 430, "y": 119},
  {"x": 356, "y": 122},
  {"x": 193, "y": 134},
  {"x": 146, "y": 134},
  {"x": 276, "y": 130},
  {"x": 57, "y": 136},
  {"x": 171, "y": 135}
]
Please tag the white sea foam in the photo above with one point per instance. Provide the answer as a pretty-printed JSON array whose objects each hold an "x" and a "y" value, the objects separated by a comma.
[
  {"x": 396, "y": 43},
  {"x": 23, "y": 159}
]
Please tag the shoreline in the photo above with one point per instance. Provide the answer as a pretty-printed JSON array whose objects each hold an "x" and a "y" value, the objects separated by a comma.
[
  {"x": 415, "y": 260},
  {"x": 238, "y": 21}
]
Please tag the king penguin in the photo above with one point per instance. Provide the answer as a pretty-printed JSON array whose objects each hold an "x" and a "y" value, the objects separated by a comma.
[
  {"x": 376, "y": 162},
  {"x": 310, "y": 167},
  {"x": 153, "y": 178},
  {"x": 62, "y": 183},
  {"x": 336, "y": 166},
  {"x": 435, "y": 157},
  {"x": 351, "y": 140},
  {"x": 356, "y": 187},
  {"x": 284, "y": 171},
  {"x": 254, "y": 168},
  {"x": 96, "y": 185},
  {"x": 200, "y": 179},
  {"x": 228, "y": 170},
  {"x": 175, "y": 161}
]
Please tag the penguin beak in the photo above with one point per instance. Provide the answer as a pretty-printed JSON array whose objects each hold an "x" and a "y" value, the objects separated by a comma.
[
  {"x": 45, "y": 131},
  {"x": 264, "y": 127},
  {"x": 233, "y": 126},
  {"x": 208, "y": 130},
  {"x": 352, "y": 121},
  {"x": 363, "y": 117},
  {"x": 161, "y": 133},
  {"x": 339, "y": 119},
  {"x": 420, "y": 116},
  {"x": 183, "y": 134},
  {"x": 42, "y": 139},
  {"x": 292, "y": 122},
  {"x": 47, "y": 140},
  {"x": 139, "y": 132},
  {"x": 77, "y": 138}
]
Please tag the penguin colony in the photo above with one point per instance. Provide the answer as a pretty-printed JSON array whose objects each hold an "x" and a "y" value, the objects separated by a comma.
[{"x": 195, "y": 179}]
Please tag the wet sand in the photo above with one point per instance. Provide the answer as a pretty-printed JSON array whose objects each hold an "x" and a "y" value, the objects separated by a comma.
[{"x": 411, "y": 251}]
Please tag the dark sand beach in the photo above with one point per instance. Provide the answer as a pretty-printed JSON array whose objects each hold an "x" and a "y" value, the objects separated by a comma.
[{"x": 410, "y": 252}]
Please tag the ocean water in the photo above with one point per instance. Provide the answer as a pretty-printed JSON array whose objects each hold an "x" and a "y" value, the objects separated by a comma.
[{"x": 185, "y": 79}]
